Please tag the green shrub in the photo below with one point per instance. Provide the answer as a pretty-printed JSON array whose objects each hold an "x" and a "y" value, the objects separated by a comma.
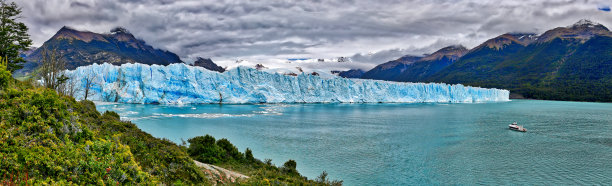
[
  {"x": 249, "y": 155},
  {"x": 204, "y": 149},
  {"x": 158, "y": 157},
  {"x": 111, "y": 115},
  {"x": 44, "y": 141},
  {"x": 46, "y": 138},
  {"x": 290, "y": 167},
  {"x": 230, "y": 151},
  {"x": 224, "y": 154},
  {"x": 5, "y": 77}
]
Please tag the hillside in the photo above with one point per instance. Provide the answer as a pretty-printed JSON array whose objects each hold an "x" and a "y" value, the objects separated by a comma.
[
  {"x": 81, "y": 48},
  {"x": 353, "y": 73},
  {"x": 413, "y": 68},
  {"x": 207, "y": 63},
  {"x": 564, "y": 63},
  {"x": 433, "y": 63},
  {"x": 391, "y": 70},
  {"x": 51, "y": 139}
]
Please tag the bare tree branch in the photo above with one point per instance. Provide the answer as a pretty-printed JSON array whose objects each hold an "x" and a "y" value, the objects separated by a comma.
[
  {"x": 90, "y": 79},
  {"x": 52, "y": 70}
]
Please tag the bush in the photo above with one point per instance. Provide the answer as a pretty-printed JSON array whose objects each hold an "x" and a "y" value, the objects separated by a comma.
[
  {"x": 231, "y": 152},
  {"x": 44, "y": 141},
  {"x": 249, "y": 155},
  {"x": 159, "y": 157},
  {"x": 204, "y": 149},
  {"x": 322, "y": 179},
  {"x": 290, "y": 167},
  {"x": 5, "y": 77},
  {"x": 46, "y": 138},
  {"x": 111, "y": 115}
]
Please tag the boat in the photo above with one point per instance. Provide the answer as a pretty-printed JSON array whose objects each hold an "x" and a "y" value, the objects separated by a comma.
[{"x": 514, "y": 126}]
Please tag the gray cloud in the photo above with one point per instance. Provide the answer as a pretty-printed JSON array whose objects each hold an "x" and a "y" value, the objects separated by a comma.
[
  {"x": 227, "y": 30},
  {"x": 79, "y": 5}
]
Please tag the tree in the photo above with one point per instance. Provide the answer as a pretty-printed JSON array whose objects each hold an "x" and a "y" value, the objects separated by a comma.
[
  {"x": 14, "y": 36},
  {"x": 268, "y": 162},
  {"x": 290, "y": 167},
  {"x": 5, "y": 75},
  {"x": 73, "y": 85},
  {"x": 248, "y": 154},
  {"x": 204, "y": 149},
  {"x": 89, "y": 82},
  {"x": 231, "y": 152},
  {"x": 70, "y": 87},
  {"x": 323, "y": 180},
  {"x": 52, "y": 70}
]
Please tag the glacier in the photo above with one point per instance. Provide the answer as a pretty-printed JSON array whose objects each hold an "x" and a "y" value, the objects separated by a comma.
[{"x": 183, "y": 84}]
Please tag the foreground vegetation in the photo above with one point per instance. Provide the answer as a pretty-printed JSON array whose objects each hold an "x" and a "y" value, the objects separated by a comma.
[
  {"x": 223, "y": 153},
  {"x": 49, "y": 138}
]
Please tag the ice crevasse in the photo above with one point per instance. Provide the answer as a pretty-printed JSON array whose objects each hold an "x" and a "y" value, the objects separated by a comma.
[{"x": 183, "y": 84}]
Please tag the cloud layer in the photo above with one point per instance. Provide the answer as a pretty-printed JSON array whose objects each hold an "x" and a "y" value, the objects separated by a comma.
[{"x": 228, "y": 30}]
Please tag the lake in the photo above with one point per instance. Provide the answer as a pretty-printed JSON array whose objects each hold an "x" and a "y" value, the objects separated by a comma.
[{"x": 406, "y": 144}]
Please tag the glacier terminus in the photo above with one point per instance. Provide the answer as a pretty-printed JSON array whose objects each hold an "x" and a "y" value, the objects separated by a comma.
[{"x": 184, "y": 84}]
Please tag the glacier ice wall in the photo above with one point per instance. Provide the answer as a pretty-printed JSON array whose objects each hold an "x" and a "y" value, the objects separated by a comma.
[{"x": 181, "y": 84}]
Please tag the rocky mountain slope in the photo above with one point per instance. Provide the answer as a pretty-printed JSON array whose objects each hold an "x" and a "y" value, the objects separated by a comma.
[
  {"x": 414, "y": 68},
  {"x": 207, "y": 63},
  {"x": 564, "y": 63},
  {"x": 81, "y": 48},
  {"x": 353, "y": 73}
]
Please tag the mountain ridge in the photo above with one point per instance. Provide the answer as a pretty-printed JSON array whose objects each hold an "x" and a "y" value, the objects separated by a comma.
[
  {"x": 81, "y": 48},
  {"x": 416, "y": 66},
  {"x": 207, "y": 63},
  {"x": 564, "y": 63},
  {"x": 582, "y": 30}
]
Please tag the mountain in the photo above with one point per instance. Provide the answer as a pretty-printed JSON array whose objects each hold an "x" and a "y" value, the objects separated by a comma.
[
  {"x": 207, "y": 63},
  {"x": 414, "y": 68},
  {"x": 565, "y": 63},
  {"x": 582, "y": 31},
  {"x": 433, "y": 63},
  {"x": 27, "y": 52},
  {"x": 81, "y": 48},
  {"x": 392, "y": 69},
  {"x": 353, "y": 73}
]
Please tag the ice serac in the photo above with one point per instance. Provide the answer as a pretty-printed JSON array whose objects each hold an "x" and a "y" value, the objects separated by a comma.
[{"x": 182, "y": 84}]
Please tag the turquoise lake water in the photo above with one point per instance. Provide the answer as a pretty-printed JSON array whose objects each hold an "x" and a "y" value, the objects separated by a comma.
[{"x": 407, "y": 144}]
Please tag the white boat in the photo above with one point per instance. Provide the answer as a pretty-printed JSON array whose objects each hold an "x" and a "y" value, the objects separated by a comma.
[{"x": 517, "y": 127}]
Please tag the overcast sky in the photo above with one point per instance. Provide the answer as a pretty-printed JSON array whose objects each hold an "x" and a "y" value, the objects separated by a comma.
[{"x": 276, "y": 30}]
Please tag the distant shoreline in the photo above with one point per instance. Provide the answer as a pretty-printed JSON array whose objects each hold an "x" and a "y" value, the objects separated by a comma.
[{"x": 521, "y": 97}]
